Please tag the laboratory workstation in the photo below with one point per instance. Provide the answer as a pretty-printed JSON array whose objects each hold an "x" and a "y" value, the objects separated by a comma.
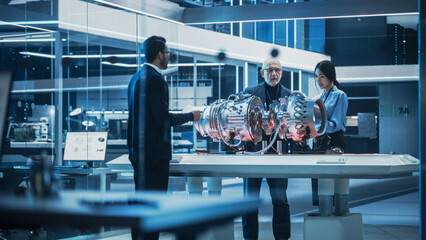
[{"x": 212, "y": 119}]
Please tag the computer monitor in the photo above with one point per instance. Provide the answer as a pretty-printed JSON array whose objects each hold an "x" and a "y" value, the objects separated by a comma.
[
  {"x": 5, "y": 82},
  {"x": 85, "y": 146}
]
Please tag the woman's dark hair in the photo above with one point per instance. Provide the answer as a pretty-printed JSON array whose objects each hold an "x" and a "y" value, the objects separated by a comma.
[
  {"x": 329, "y": 70},
  {"x": 152, "y": 46}
]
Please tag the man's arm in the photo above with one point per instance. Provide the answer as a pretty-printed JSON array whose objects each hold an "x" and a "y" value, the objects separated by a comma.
[
  {"x": 158, "y": 100},
  {"x": 180, "y": 118},
  {"x": 247, "y": 90}
]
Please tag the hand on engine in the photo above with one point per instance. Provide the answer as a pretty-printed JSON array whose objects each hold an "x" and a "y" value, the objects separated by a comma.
[{"x": 197, "y": 115}]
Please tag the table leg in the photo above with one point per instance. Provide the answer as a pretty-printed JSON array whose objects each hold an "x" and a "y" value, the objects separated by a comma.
[
  {"x": 325, "y": 193},
  {"x": 195, "y": 185},
  {"x": 341, "y": 195},
  {"x": 102, "y": 182},
  {"x": 214, "y": 186}
]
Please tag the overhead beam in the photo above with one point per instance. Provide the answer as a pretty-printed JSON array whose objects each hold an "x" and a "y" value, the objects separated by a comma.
[
  {"x": 300, "y": 10},
  {"x": 172, "y": 12},
  {"x": 378, "y": 73},
  {"x": 160, "y": 9}
]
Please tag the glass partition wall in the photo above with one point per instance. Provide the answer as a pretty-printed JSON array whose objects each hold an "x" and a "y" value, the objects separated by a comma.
[{"x": 30, "y": 124}]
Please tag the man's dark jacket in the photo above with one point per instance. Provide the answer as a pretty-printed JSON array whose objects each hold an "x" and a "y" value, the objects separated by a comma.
[
  {"x": 157, "y": 121},
  {"x": 259, "y": 91}
]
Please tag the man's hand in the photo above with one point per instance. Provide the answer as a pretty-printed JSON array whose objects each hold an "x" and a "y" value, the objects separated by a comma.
[{"x": 197, "y": 115}]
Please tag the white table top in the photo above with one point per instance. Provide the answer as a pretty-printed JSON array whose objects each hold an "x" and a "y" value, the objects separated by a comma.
[
  {"x": 295, "y": 165},
  {"x": 290, "y": 166}
]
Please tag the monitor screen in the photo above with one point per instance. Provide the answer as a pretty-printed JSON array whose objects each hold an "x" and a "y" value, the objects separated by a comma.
[
  {"x": 85, "y": 146},
  {"x": 5, "y": 81}
]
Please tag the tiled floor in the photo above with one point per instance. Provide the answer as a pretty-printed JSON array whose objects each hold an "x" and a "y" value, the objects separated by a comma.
[
  {"x": 371, "y": 232},
  {"x": 392, "y": 219},
  {"x": 395, "y": 218}
]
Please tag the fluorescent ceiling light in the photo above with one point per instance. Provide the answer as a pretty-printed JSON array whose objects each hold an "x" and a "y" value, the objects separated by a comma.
[
  {"x": 37, "y": 54},
  {"x": 16, "y": 2},
  {"x": 170, "y": 65},
  {"x": 29, "y": 22},
  {"x": 41, "y": 90},
  {"x": 105, "y": 56},
  {"x": 20, "y": 24},
  {"x": 193, "y": 64},
  {"x": 380, "y": 78},
  {"x": 136, "y": 11},
  {"x": 121, "y": 64},
  {"x": 28, "y": 40},
  {"x": 82, "y": 56},
  {"x": 27, "y": 35}
]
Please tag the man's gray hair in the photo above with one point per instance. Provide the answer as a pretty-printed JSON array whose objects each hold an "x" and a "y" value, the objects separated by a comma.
[{"x": 270, "y": 60}]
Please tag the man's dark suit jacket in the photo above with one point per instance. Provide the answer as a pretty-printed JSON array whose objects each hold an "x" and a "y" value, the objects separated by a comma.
[
  {"x": 158, "y": 119},
  {"x": 259, "y": 91}
]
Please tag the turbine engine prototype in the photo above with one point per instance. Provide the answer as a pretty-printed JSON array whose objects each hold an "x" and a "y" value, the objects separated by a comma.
[{"x": 242, "y": 117}]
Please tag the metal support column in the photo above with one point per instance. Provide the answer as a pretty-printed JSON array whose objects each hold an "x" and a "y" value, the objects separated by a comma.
[
  {"x": 58, "y": 98},
  {"x": 422, "y": 111},
  {"x": 195, "y": 86}
]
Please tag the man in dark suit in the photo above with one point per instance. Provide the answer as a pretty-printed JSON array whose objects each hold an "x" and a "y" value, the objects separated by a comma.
[
  {"x": 269, "y": 91},
  {"x": 149, "y": 84},
  {"x": 158, "y": 119}
]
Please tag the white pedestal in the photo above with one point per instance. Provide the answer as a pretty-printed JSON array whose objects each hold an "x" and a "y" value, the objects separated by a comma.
[
  {"x": 195, "y": 185},
  {"x": 347, "y": 227},
  {"x": 177, "y": 184}
]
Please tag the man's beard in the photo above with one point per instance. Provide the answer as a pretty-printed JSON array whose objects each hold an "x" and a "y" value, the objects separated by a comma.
[
  {"x": 164, "y": 63},
  {"x": 272, "y": 84}
]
